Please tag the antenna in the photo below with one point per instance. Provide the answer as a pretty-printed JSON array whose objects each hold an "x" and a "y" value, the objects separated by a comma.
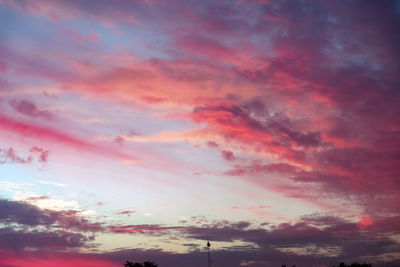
[{"x": 208, "y": 249}]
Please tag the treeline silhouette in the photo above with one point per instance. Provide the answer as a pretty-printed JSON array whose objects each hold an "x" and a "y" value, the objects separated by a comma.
[
  {"x": 137, "y": 264},
  {"x": 152, "y": 264},
  {"x": 355, "y": 264},
  {"x": 342, "y": 264}
]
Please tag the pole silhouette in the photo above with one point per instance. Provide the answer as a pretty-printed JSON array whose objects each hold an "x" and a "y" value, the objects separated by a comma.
[{"x": 208, "y": 249}]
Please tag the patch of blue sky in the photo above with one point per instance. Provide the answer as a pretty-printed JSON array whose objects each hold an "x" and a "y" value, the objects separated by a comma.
[
  {"x": 19, "y": 82},
  {"x": 38, "y": 40},
  {"x": 24, "y": 30},
  {"x": 144, "y": 42},
  {"x": 18, "y": 180},
  {"x": 130, "y": 38}
]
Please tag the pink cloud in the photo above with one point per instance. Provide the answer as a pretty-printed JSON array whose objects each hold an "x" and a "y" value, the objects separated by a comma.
[
  {"x": 9, "y": 156},
  {"x": 203, "y": 46},
  {"x": 258, "y": 207},
  {"x": 29, "y": 109},
  {"x": 317, "y": 104},
  {"x": 3, "y": 67},
  {"x": 305, "y": 93},
  {"x": 35, "y": 259},
  {"x": 56, "y": 136},
  {"x": 143, "y": 229},
  {"x": 228, "y": 155},
  {"x": 80, "y": 37}
]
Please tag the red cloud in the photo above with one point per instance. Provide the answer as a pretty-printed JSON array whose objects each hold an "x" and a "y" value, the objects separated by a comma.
[
  {"x": 228, "y": 155},
  {"x": 42, "y": 259}
]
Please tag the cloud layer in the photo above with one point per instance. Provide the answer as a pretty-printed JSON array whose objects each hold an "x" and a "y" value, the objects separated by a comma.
[{"x": 269, "y": 127}]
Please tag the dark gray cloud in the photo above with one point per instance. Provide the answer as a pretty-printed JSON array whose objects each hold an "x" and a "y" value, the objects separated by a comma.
[
  {"x": 11, "y": 238},
  {"x": 322, "y": 238},
  {"x": 22, "y": 213}
]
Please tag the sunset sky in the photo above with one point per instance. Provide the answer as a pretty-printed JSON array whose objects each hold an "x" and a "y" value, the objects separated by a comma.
[{"x": 139, "y": 129}]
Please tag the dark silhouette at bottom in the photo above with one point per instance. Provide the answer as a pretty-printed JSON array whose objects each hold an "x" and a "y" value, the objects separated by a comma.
[
  {"x": 355, "y": 264},
  {"x": 342, "y": 264},
  {"x": 137, "y": 264},
  {"x": 152, "y": 264}
]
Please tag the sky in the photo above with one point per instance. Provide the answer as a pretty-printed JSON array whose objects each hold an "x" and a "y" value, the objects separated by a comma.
[{"x": 139, "y": 130}]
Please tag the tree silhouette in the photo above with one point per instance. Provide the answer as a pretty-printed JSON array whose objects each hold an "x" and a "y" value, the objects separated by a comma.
[
  {"x": 136, "y": 264},
  {"x": 354, "y": 264},
  {"x": 149, "y": 264}
]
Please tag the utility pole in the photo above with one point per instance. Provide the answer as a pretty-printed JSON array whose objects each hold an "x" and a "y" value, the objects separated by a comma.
[{"x": 209, "y": 258}]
